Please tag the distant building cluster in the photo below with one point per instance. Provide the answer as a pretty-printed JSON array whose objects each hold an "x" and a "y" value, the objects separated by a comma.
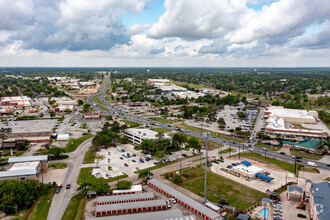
[
  {"x": 279, "y": 120},
  {"x": 83, "y": 87},
  {"x": 16, "y": 101}
]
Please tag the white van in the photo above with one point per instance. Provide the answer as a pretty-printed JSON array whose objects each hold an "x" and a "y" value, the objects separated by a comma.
[{"x": 310, "y": 163}]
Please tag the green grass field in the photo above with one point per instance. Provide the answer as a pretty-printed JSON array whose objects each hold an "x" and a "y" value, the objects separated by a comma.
[
  {"x": 74, "y": 211},
  {"x": 212, "y": 133},
  {"x": 161, "y": 130},
  {"x": 218, "y": 187},
  {"x": 89, "y": 178},
  {"x": 58, "y": 165},
  {"x": 74, "y": 143},
  {"x": 89, "y": 157},
  {"x": 97, "y": 99},
  {"x": 327, "y": 179},
  {"x": 41, "y": 208}
]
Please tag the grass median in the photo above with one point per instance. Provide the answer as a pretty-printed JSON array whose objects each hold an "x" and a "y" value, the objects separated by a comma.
[
  {"x": 269, "y": 147},
  {"x": 219, "y": 188},
  {"x": 131, "y": 124},
  {"x": 161, "y": 130},
  {"x": 305, "y": 155},
  {"x": 212, "y": 133},
  {"x": 74, "y": 143}
]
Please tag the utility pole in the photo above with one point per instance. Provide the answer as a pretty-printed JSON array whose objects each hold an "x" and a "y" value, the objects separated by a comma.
[
  {"x": 206, "y": 136},
  {"x": 239, "y": 150}
]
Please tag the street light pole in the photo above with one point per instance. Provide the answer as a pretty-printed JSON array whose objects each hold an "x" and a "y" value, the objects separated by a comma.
[{"x": 206, "y": 136}]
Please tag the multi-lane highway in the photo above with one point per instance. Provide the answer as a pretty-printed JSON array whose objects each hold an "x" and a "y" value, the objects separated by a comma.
[{"x": 125, "y": 115}]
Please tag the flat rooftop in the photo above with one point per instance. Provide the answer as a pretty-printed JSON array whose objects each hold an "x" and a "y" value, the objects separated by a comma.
[
  {"x": 276, "y": 111},
  {"x": 25, "y": 166},
  {"x": 247, "y": 170},
  {"x": 42, "y": 158},
  {"x": 143, "y": 133},
  {"x": 130, "y": 205},
  {"x": 133, "y": 188},
  {"x": 125, "y": 197},
  {"x": 173, "y": 214}
]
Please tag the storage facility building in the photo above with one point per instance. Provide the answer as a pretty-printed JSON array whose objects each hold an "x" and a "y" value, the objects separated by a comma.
[
  {"x": 130, "y": 207},
  {"x": 133, "y": 190},
  {"x": 106, "y": 200},
  {"x": 174, "y": 214},
  {"x": 184, "y": 200}
]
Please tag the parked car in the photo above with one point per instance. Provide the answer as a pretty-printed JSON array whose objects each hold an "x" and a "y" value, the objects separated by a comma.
[
  {"x": 234, "y": 164},
  {"x": 229, "y": 166},
  {"x": 209, "y": 165},
  {"x": 185, "y": 155},
  {"x": 141, "y": 160},
  {"x": 134, "y": 161},
  {"x": 126, "y": 165},
  {"x": 169, "y": 205},
  {"x": 282, "y": 153},
  {"x": 299, "y": 215},
  {"x": 134, "y": 155},
  {"x": 137, "y": 168},
  {"x": 217, "y": 162},
  {"x": 173, "y": 200},
  {"x": 121, "y": 158},
  {"x": 68, "y": 186}
]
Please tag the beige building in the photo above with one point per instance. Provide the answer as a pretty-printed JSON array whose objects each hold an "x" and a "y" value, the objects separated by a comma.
[{"x": 291, "y": 115}]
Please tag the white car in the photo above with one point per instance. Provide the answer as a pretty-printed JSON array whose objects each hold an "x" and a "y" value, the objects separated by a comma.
[{"x": 172, "y": 200}]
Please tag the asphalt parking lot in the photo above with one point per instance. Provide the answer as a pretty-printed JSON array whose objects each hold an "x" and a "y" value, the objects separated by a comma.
[
  {"x": 31, "y": 125},
  {"x": 117, "y": 159}
]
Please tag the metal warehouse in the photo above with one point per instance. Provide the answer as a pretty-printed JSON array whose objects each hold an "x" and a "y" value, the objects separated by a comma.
[
  {"x": 122, "y": 208},
  {"x": 105, "y": 200},
  {"x": 184, "y": 200}
]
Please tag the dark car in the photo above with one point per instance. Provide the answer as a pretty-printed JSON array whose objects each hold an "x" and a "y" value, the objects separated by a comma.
[
  {"x": 298, "y": 157},
  {"x": 185, "y": 155},
  {"x": 282, "y": 153},
  {"x": 217, "y": 162},
  {"x": 147, "y": 159},
  {"x": 229, "y": 166},
  {"x": 299, "y": 215},
  {"x": 134, "y": 161},
  {"x": 58, "y": 190},
  {"x": 234, "y": 164},
  {"x": 121, "y": 158},
  {"x": 299, "y": 161},
  {"x": 209, "y": 165},
  {"x": 134, "y": 155},
  {"x": 126, "y": 165},
  {"x": 68, "y": 186},
  {"x": 141, "y": 160}
]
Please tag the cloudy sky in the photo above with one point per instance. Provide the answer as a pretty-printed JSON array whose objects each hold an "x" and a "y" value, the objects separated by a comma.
[{"x": 165, "y": 33}]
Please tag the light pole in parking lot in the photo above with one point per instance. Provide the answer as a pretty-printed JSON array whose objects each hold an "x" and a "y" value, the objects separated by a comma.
[{"x": 206, "y": 137}]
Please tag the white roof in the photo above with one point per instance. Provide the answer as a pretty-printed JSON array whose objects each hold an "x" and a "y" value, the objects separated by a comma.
[
  {"x": 42, "y": 158},
  {"x": 25, "y": 166},
  {"x": 134, "y": 188},
  {"x": 280, "y": 111},
  {"x": 143, "y": 133},
  {"x": 6, "y": 174},
  {"x": 248, "y": 170},
  {"x": 125, "y": 197},
  {"x": 212, "y": 206}
]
